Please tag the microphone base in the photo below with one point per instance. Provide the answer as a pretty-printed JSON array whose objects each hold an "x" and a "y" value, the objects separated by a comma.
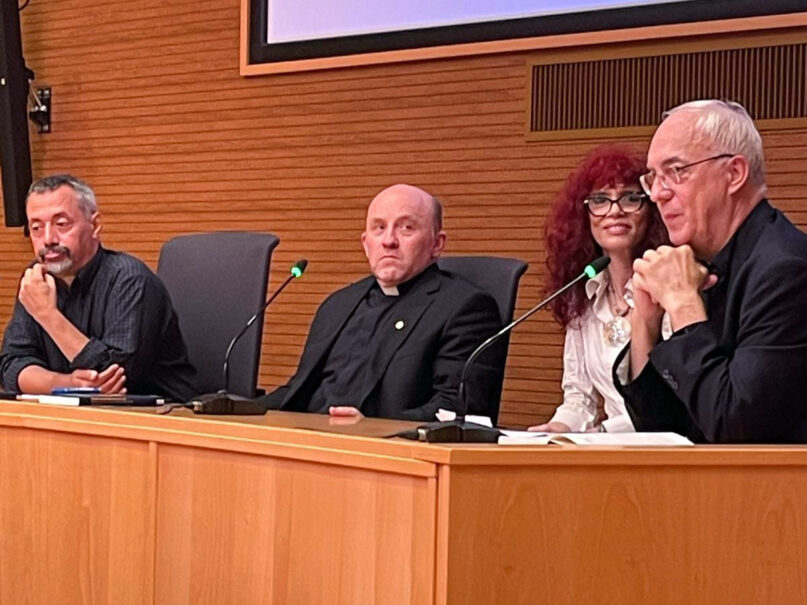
[
  {"x": 453, "y": 431},
  {"x": 224, "y": 403}
]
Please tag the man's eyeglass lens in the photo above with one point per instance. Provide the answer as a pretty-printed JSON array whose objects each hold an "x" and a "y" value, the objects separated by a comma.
[{"x": 674, "y": 173}]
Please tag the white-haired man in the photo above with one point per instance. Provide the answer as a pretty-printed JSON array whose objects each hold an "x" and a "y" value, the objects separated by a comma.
[{"x": 734, "y": 285}]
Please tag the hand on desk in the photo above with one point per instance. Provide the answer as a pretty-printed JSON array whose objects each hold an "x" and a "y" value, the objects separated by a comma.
[
  {"x": 111, "y": 380},
  {"x": 36, "y": 379},
  {"x": 551, "y": 427},
  {"x": 344, "y": 414}
]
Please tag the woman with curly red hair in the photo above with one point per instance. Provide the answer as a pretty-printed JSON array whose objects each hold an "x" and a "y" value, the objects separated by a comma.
[{"x": 600, "y": 210}]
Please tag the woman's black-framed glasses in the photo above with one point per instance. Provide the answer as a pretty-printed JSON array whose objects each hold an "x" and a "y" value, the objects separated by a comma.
[{"x": 600, "y": 205}]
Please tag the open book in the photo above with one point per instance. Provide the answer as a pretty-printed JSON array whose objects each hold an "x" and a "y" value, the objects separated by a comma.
[{"x": 596, "y": 439}]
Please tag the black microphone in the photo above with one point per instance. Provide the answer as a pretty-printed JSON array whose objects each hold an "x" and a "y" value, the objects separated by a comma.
[
  {"x": 455, "y": 431},
  {"x": 223, "y": 402},
  {"x": 592, "y": 269},
  {"x": 296, "y": 271}
]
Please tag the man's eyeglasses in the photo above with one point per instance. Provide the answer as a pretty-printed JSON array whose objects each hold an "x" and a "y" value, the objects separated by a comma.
[
  {"x": 674, "y": 174},
  {"x": 600, "y": 205}
]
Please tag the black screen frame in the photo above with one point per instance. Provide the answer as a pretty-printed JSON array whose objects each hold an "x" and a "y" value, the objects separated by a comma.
[{"x": 261, "y": 52}]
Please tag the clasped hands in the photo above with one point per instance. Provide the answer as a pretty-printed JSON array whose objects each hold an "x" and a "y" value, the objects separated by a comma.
[{"x": 670, "y": 279}]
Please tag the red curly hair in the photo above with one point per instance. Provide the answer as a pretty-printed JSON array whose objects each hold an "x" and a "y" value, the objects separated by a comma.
[{"x": 569, "y": 243}]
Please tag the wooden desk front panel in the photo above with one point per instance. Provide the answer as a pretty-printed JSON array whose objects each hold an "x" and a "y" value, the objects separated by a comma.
[
  {"x": 104, "y": 507},
  {"x": 238, "y": 528},
  {"x": 568, "y": 535},
  {"x": 76, "y": 524},
  {"x": 100, "y": 507}
]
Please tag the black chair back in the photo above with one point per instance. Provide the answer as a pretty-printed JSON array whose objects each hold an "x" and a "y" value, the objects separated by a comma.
[
  {"x": 217, "y": 281},
  {"x": 496, "y": 275},
  {"x": 499, "y": 277}
]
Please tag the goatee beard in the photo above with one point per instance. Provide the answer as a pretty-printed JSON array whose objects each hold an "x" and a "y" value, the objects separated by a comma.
[{"x": 56, "y": 268}]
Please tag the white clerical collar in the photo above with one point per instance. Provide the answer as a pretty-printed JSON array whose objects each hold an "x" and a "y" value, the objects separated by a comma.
[{"x": 389, "y": 290}]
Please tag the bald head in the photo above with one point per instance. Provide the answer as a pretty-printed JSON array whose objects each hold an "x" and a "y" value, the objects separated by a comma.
[
  {"x": 402, "y": 190},
  {"x": 403, "y": 233}
]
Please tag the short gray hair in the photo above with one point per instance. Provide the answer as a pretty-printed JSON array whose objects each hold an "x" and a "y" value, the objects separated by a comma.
[
  {"x": 85, "y": 196},
  {"x": 437, "y": 208},
  {"x": 728, "y": 128}
]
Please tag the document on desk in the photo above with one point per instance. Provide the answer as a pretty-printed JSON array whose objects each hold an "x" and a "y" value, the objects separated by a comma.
[
  {"x": 594, "y": 439},
  {"x": 99, "y": 399}
]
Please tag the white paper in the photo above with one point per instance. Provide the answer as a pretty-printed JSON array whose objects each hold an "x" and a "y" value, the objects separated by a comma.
[
  {"x": 483, "y": 420},
  {"x": 659, "y": 439},
  {"x": 445, "y": 415}
]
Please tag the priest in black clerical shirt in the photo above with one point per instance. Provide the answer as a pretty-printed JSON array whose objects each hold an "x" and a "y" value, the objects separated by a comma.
[{"x": 393, "y": 344}]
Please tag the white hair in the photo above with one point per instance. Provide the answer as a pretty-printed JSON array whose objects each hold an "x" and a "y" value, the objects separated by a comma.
[{"x": 727, "y": 128}]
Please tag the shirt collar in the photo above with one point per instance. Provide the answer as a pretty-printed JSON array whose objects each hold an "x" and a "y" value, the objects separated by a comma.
[
  {"x": 404, "y": 287},
  {"x": 595, "y": 287}
]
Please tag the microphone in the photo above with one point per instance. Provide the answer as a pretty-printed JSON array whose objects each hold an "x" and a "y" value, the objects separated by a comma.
[
  {"x": 223, "y": 402},
  {"x": 455, "y": 431},
  {"x": 594, "y": 268},
  {"x": 296, "y": 271}
]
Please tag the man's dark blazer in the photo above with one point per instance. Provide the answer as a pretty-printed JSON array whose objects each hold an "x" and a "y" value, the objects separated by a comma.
[
  {"x": 740, "y": 375},
  {"x": 414, "y": 367}
]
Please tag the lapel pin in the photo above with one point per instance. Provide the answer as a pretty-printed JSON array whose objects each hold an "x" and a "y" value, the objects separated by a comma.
[{"x": 399, "y": 325}]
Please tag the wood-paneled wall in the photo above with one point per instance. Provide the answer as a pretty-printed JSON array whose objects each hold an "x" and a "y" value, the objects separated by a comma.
[{"x": 149, "y": 107}]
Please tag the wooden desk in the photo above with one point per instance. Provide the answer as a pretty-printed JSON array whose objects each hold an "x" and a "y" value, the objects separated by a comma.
[{"x": 105, "y": 506}]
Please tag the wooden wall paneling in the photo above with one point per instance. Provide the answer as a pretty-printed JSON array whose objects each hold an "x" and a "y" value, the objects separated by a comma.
[{"x": 150, "y": 108}]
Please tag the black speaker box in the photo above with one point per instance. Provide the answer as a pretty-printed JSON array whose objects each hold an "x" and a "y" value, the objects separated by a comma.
[{"x": 15, "y": 146}]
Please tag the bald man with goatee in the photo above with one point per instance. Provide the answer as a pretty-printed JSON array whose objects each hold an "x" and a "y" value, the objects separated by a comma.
[{"x": 393, "y": 344}]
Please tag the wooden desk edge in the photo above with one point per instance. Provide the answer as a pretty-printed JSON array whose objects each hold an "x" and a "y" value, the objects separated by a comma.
[
  {"x": 391, "y": 455},
  {"x": 290, "y": 443},
  {"x": 549, "y": 455}
]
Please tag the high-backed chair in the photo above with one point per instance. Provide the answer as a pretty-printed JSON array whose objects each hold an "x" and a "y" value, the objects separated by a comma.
[
  {"x": 217, "y": 281},
  {"x": 496, "y": 275},
  {"x": 499, "y": 277}
]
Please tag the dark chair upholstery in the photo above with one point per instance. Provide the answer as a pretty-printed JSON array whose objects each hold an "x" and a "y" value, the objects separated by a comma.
[
  {"x": 497, "y": 276},
  {"x": 217, "y": 281}
]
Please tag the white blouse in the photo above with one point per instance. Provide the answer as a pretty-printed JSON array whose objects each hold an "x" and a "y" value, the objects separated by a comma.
[{"x": 587, "y": 363}]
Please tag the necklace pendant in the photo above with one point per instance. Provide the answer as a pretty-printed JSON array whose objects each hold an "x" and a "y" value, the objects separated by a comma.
[{"x": 616, "y": 332}]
